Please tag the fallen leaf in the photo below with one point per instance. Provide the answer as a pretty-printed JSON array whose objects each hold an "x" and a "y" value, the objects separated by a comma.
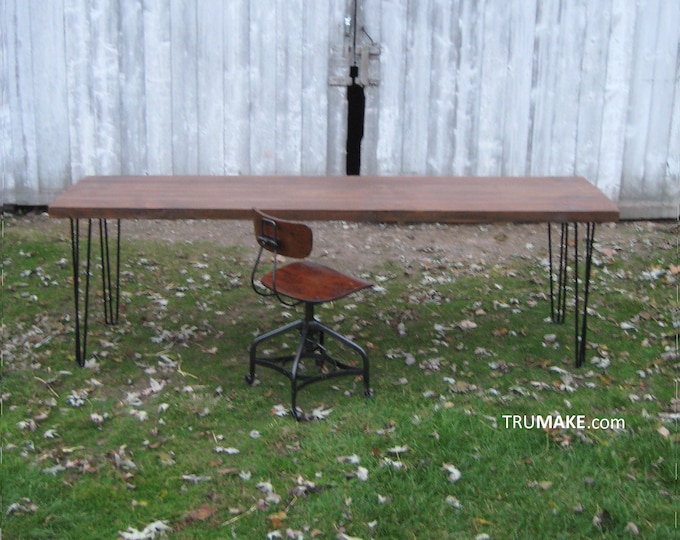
[
  {"x": 603, "y": 520},
  {"x": 25, "y": 506},
  {"x": 142, "y": 416},
  {"x": 195, "y": 479},
  {"x": 462, "y": 387},
  {"x": 154, "y": 387},
  {"x": 454, "y": 473},
  {"x": 396, "y": 465},
  {"x": 467, "y": 325},
  {"x": 265, "y": 487},
  {"x": 148, "y": 533},
  {"x": 353, "y": 459},
  {"x": 54, "y": 470},
  {"x": 279, "y": 410},
  {"x": 229, "y": 451},
  {"x": 29, "y": 425},
  {"x": 202, "y": 513},
  {"x": 453, "y": 502},
  {"x": 320, "y": 413},
  {"x": 663, "y": 431},
  {"x": 632, "y": 528},
  {"x": 277, "y": 519},
  {"x": 362, "y": 474},
  {"x": 166, "y": 458}
]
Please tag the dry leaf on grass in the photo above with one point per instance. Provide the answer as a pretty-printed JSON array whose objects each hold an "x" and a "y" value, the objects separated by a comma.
[
  {"x": 454, "y": 473},
  {"x": 277, "y": 519},
  {"x": 202, "y": 513},
  {"x": 150, "y": 532},
  {"x": 24, "y": 506}
]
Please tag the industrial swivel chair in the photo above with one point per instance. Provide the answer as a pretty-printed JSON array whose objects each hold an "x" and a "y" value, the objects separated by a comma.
[{"x": 310, "y": 284}]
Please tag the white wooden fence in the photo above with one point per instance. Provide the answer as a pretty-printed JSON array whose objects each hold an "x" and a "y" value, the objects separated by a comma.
[{"x": 462, "y": 87}]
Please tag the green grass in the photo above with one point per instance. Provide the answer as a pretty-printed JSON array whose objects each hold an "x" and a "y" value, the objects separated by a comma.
[{"x": 187, "y": 318}]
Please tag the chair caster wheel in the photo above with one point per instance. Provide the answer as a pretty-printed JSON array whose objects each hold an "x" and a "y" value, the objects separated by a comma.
[{"x": 250, "y": 379}]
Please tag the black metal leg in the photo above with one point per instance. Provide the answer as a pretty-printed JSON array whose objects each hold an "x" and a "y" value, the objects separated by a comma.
[
  {"x": 111, "y": 296},
  {"x": 577, "y": 342},
  {"x": 551, "y": 273},
  {"x": 558, "y": 305},
  {"x": 581, "y": 338},
  {"x": 80, "y": 326},
  {"x": 562, "y": 274},
  {"x": 294, "y": 369}
]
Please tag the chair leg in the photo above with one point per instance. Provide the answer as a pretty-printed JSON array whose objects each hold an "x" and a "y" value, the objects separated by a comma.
[
  {"x": 294, "y": 370},
  {"x": 349, "y": 343},
  {"x": 250, "y": 378}
]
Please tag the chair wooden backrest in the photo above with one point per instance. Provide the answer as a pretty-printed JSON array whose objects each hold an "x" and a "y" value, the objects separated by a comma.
[{"x": 282, "y": 237}]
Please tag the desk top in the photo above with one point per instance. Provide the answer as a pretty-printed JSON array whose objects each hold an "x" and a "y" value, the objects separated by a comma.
[{"x": 399, "y": 199}]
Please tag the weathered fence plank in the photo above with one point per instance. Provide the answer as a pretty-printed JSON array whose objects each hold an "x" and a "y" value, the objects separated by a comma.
[
  {"x": 236, "y": 84},
  {"x": 210, "y": 89},
  {"x": 315, "y": 88},
  {"x": 158, "y": 84}
]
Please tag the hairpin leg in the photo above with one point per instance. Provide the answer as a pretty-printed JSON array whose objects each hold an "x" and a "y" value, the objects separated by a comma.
[
  {"x": 80, "y": 326},
  {"x": 581, "y": 332},
  {"x": 558, "y": 305},
  {"x": 111, "y": 296}
]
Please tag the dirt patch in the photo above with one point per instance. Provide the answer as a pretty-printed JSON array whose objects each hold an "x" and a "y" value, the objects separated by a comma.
[{"x": 362, "y": 246}]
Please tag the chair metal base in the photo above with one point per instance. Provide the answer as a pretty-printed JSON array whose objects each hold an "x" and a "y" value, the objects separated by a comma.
[{"x": 311, "y": 346}]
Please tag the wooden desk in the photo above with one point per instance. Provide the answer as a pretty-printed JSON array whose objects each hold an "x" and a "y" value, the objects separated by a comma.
[{"x": 563, "y": 200}]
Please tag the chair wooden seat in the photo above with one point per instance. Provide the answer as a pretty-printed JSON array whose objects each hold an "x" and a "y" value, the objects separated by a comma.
[{"x": 309, "y": 283}]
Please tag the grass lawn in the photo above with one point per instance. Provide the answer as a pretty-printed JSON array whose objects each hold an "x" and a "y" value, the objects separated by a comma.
[{"x": 159, "y": 436}]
